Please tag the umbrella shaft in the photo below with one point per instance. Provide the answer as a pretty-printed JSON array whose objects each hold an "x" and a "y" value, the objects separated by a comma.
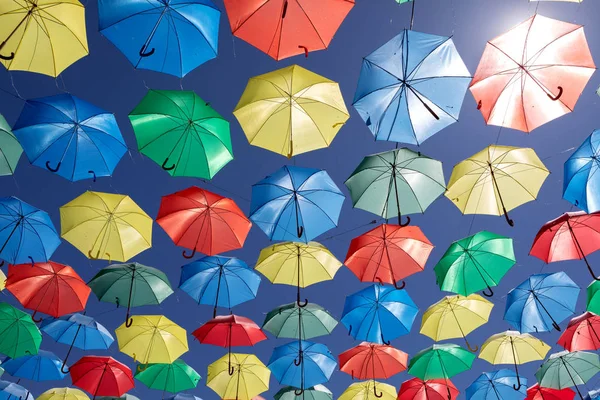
[
  {"x": 11, "y": 233},
  {"x": 10, "y": 35}
]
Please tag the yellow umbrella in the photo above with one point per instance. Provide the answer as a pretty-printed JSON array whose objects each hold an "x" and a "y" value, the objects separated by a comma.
[
  {"x": 2, "y": 281},
  {"x": 455, "y": 317},
  {"x": 297, "y": 264},
  {"x": 512, "y": 347},
  {"x": 496, "y": 180},
  {"x": 44, "y": 36},
  {"x": 367, "y": 390},
  {"x": 152, "y": 339},
  {"x": 106, "y": 226},
  {"x": 291, "y": 111},
  {"x": 250, "y": 377},
  {"x": 63, "y": 394}
]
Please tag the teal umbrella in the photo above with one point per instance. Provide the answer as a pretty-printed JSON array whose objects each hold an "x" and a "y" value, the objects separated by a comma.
[
  {"x": 567, "y": 369},
  {"x": 313, "y": 321},
  {"x": 317, "y": 392},
  {"x": 10, "y": 149}
]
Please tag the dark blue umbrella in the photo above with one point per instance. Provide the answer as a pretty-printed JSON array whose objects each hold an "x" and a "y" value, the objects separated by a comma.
[
  {"x": 497, "y": 385},
  {"x": 70, "y": 137},
  {"x": 43, "y": 366},
  {"x": 581, "y": 183},
  {"x": 296, "y": 203},
  {"x": 12, "y": 391}
]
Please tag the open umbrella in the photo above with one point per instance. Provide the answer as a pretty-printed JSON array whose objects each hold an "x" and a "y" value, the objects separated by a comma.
[
  {"x": 582, "y": 333},
  {"x": 250, "y": 377},
  {"x": 432, "y": 389},
  {"x": 126, "y": 396},
  {"x": 580, "y": 179},
  {"x": 10, "y": 149},
  {"x": 537, "y": 392},
  {"x": 567, "y": 369},
  {"x": 101, "y": 376},
  {"x": 63, "y": 394},
  {"x": 182, "y": 396},
  {"x": 367, "y": 389},
  {"x": 175, "y": 377},
  {"x": 497, "y": 385},
  {"x": 293, "y": 322},
  {"x": 317, "y": 392},
  {"x": 593, "y": 297},
  {"x": 43, "y": 366},
  {"x": 19, "y": 334},
  {"x": 10, "y": 390}
]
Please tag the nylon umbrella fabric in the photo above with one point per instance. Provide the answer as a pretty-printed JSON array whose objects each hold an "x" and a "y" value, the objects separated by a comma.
[
  {"x": 580, "y": 182},
  {"x": 101, "y": 376},
  {"x": 432, "y": 389},
  {"x": 592, "y": 298},
  {"x": 19, "y": 335},
  {"x": 317, "y": 392},
  {"x": 10, "y": 390},
  {"x": 440, "y": 361},
  {"x": 250, "y": 377},
  {"x": 582, "y": 333},
  {"x": 70, "y": 137},
  {"x": 536, "y": 392},
  {"x": 372, "y": 361},
  {"x": 40, "y": 367},
  {"x": 295, "y": 322},
  {"x": 183, "y": 396},
  {"x": 501, "y": 384},
  {"x": 368, "y": 389},
  {"x": 63, "y": 394},
  {"x": 568, "y": 369},
  {"x": 171, "y": 37},
  {"x": 228, "y": 331},
  {"x": 10, "y": 149},
  {"x": 173, "y": 378}
]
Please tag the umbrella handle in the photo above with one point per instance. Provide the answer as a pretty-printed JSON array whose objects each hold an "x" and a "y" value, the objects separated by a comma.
[
  {"x": 305, "y": 50},
  {"x": 36, "y": 320},
  {"x": 94, "y": 257},
  {"x": 555, "y": 325},
  {"x": 8, "y": 58},
  {"x": 2, "y": 263},
  {"x": 401, "y": 286},
  {"x": 298, "y": 361},
  {"x": 32, "y": 262},
  {"x": 378, "y": 395},
  {"x": 560, "y": 92},
  {"x": 473, "y": 350},
  {"x": 518, "y": 385},
  {"x": 479, "y": 105},
  {"x": 350, "y": 330},
  {"x": 62, "y": 369},
  {"x": 298, "y": 392},
  {"x": 142, "y": 367},
  {"x": 383, "y": 340},
  {"x": 128, "y": 321},
  {"x": 188, "y": 256},
  {"x": 302, "y": 305},
  {"x": 231, "y": 370},
  {"x": 406, "y": 223},
  {"x": 352, "y": 374},
  {"x": 143, "y": 52},
  {"x": 449, "y": 393},
  {"x": 490, "y": 294},
  {"x": 53, "y": 169},
  {"x": 300, "y": 231},
  {"x": 93, "y": 174},
  {"x": 508, "y": 220},
  {"x": 164, "y": 165}
]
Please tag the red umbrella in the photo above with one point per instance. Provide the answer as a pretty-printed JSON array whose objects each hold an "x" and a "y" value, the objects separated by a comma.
[
  {"x": 102, "y": 376},
  {"x": 582, "y": 333},
  {"x": 285, "y": 28},
  {"x": 373, "y": 361},
  {"x": 433, "y": 389},
  {"x": 388, "y": 253},
  {"x": 542, "y": 393},
  {"x": 48, "y": 287},
  {"x": 572, "y": 236},
  {"x": 203, "y": 221}
]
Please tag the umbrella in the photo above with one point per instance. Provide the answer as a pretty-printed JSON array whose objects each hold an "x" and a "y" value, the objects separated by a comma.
[
  {"x": 497, "y": 385},
  {"x": 567, "y": 369},
  {"x": 9, "y": 390},
  {"x": 203, "y": 221},
  {"x": 572, "y": 236},
  {"x": 26, "y": 233},
  {"x": 219, "y": 281},
  {"x": 541, "y": 302},
  {"x": 455, "y": 317},
  {"x": 515, "y": 348},
  {"x": 36, "y": 47},
  {"x": 285, "y": 28},
  {"x": 317, "y": 392},
  {"x": 593, "y": 300},
  {"x": 126, "y": 396},
  {"x": 388, "y": 253},
  {"x": 182, "y": 396},
  {"x": 373, "y": 361},
  {"x": 396, "y": 182},
  {"x": 580, "y": 171},
  {"x": 101, "y": 376},
  {"x": 172, "y": 37},
  {"x": 536, "y": 392},
  {"x": 2, "y": 280},
  {"x": 172, "y": 378},
  {"x": 50, "y": 288},
  {"x": 43, "y": 366},
  {"x": 292, "y": 110},
  {"x": 152, "y": 339},
  {"x": 496, "y": 180},
  {"x": 139, "y": 284},
  {"x": 364, "y": 390},
  {"x": 411, "y": 87},
  {"x": 377, "y": 313},
  {"x": 10, "y": 149},
  {"x": 182, "y": 133},
  {"x": 106, "y": 226},
  {"x": 70, "y": 137},
  {"x": 293, "y": 322},
  {"x": 19, "y": 335},
  {"x": 250, "y": 377},
  {"x": 296, "y": 203},
  {"x": 475, "y": 263},
  {"x": 432, "y": 389},
  {"x": 532, "y": 74},
  {"x": 63, "y": 394},
  {"x": 592, "y": 394},
  {"x": 582, "y": 333},
  {"x": 297, "y": 264}
]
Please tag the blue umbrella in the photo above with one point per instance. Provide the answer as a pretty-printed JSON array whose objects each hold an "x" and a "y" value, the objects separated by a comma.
[
  {"x": 170, "y": 36},
  {"x": 302, "y": 364},
  {"x": 296, "y": 203},
  {"x": 592, "y": 395},
  {"x": 541, "y": 302},
  {"x": 12, "y": 391},
  {"x": 43, "y": 366},
  {"x": 378, "y": 312},
  {"x": 411, "y": 87},
  {"x": 77, "y": 330},
  {"x": 26, "y": 233},
  {"x": 70, "y": 137},
  {"x": 497, "y": 385},
  {"x": 581, "y": 183},
  {"x": 219, "y": 281}
]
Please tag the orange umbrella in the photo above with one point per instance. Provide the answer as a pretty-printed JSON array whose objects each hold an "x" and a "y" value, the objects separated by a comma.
[{"x": 373, "y": 361}]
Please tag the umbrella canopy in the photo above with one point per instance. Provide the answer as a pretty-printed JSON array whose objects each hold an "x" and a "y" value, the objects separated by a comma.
[
  {"x": 532, "y": 74},
  {"x": 455, "y": 317},
  {"x": 53, "y": 35},
  {"x": 219, "y": 282},
  {"x": 292, "y": 110},
  {"x": 102, "y": 376},
  {"x": 440, "y": 361},
  {"x": 367, "y": 390},
  {"x": 27, "y": 234},
  {"x": 592, "y": 297},
  {"x": 388, "y": 253},
  {"x": 580, "y": 175},
  {"x": 172, "y": 37},
  {"x": 432, "y": 389},
  {"x": 63, "y": 394},
  {"x": 497, "y": 385},
  {"x": 541, "y": 302},
  {"x": 295, "y": 322},
  {"x": 582, "y": 333},
  {"x": 373, "y": 361},
  {"x": 70, "y": 137},
  {"x": 536, "y": 392},
  {"x": 250, "y": 377},
  {"x": 10, "y": 149},
  {"x": 19, "y": 334},
  {"x": 182, "y": 133},
  {"x": 126, "y": 396},
  {"x": 396, "y": 182},
  {"x": 173, "y": 378},
  {"x": 475, "y": 263},
  {"x": 228, "y": 331},
  {"x": 9, "y": 390},
  {"x": 296, "y": 203},
  {"x": 183, "y": 396},
  {"x": 43, "y": 366},
  {"x": 379, "y": 313},
  {"x": 318, "y": 392},
  {"x": 106, "y": 226},
  {"x": 568, "y": 369},
  {"x": 411, "y": 87}
]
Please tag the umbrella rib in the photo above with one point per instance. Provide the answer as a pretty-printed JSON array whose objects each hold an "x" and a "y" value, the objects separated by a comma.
[
  {"x": 414, "y": 70},
  {"x": 312, "y": 24},
  {"x": 174, "y": 9}
]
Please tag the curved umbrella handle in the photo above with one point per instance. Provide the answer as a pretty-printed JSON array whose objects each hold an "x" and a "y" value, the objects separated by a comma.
[
  {"x": 300, "y": 231},
  {"x": 555, "y": 325},
  {"x": 188, "y": 256},
  {"x": 383, "y": 340},
  {"x": 142, "y": 367},
  {"x": 143, "y": 52},
  {"x": 473, "y": 350},
  {"x": 401, "y": 286},
  {"x": 93, "y": 257},
  {"x": 305, "y": 50},
  {"x": 128, "y": 321},
  {"x": 378, "y": 395},
  {"x": 479, "y": 105},
  {"x": 164, "y": 165},
  {"x": 302, "y": 305},
  {"x": 298, "y": 361},
  {"x": 560, "y": 92},
  {"x": 36, "y": 320},
  {"x": 53, "y": 169},
  {"x": 404, "y": 224},
  {"x": 93, "y": 174},
  {"x": 490, "y": 294},
  {"x": 508, "y": 220},
  {"x": 298, "y": 392},
  {"x": 8, "y": 58},
  {"x": 63, "y": 370},
  {"x": 518, "y": 385},
  {"x": 231, "y": 370}
]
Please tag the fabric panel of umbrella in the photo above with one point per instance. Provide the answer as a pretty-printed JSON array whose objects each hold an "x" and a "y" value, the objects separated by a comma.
[{"x": 568, "y": 369}]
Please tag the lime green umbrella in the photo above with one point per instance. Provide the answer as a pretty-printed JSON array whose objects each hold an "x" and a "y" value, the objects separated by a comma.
[
  {"x": 10, "y": 149},
  {"x": 19, "y": 335},
  {"x": 314, "y": 321},
  {"x": 182, "y": 133},
  {"x": 317, "y": 392},
  {"x": 568, "y": 369},
  {"x": 593, "y": 297},
  {"x": 475, "y": 263},
  {"x": 440, "y": 361},
  {"x": 172, "y": 378}
]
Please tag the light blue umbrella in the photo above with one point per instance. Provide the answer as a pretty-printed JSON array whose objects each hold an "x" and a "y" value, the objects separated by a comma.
[
  {"x": 184, "y": 396},
  {"x": 12, "y": 391},
  {"x": 43, "y": 366},
  {"x": 541, "y": 302},
  {"x": 497, "y": 385},
  {"x": 581, "y": 182}
]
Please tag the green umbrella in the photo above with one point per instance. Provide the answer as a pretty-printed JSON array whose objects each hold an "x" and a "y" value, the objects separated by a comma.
[
  {"x": 10, "y": 149},
  {"x": 567, "y": 369},
  {"x": 182, "y": 133},
  {"x": 172, "y": 378},
  {"x": 315, "y": 321},
  {"x": 132, "y": 284},
  {"x": 593, "y": 297},
  {"x": 475, "y": 263},
  {"x": 440, "y": 361},
  {"x": 19, "y": 335},
  {"x": 317, "y": 392},
  {"x": 396, "y": 182}
]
